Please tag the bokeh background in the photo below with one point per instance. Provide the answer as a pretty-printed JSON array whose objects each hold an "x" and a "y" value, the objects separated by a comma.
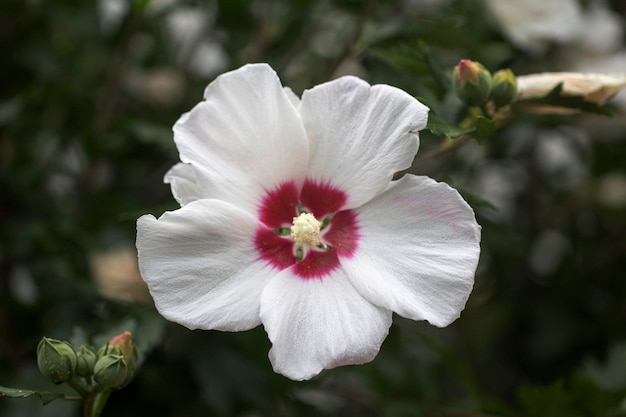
[{"x": 89, "y": 91}]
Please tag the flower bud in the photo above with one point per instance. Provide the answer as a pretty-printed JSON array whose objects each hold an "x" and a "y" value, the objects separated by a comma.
[
  {"x": 472, "y": 82},
  {"x": 121, "y": 346},
  {"x": 504, "y": 88},
  {"x": 86, "y": 361},
  {"x": 56, "y": 359},
  {"x": 111, "y": 372}
]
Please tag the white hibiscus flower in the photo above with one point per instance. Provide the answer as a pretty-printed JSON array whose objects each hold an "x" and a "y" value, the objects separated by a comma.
[{"x": 289, "y": 218}]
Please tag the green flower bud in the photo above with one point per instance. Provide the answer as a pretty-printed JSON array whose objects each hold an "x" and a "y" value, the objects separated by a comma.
[
  {"x": 56, "y": 359},
  {"x": 86, "y": 361},
  {"x": 504, "y": 88},
  {"x": 121, "y": 346},
  {"x": 472, "y": 82},
  {"x": 111, "y": 372}
]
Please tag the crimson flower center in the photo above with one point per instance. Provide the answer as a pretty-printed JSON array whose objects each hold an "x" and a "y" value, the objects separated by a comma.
[{"x": 291, "y": 234}]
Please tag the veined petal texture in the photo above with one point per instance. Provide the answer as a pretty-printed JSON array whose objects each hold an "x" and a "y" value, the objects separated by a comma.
[
  {"x": 200, "y": 265},
  {"x": 360, "y": 135},
  {"x": 418, "y": 250},
  {"x": 244, "y": 138},
  {"x": 319, "y": 324}
]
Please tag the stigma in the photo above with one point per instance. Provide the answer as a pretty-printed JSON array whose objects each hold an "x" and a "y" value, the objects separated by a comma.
[{"x": 306, "y": 230}]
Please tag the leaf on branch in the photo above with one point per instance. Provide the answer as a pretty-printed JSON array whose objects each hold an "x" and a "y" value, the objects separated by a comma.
[
  {"x": 439, "y": 127},
  {"x": 485, "y": 128},
  {"x": 415, "y": 59},
  {"x": 45, "y": 396},
  {"x": 403, "y": 58},
  {"x": 436, "y": 70}
]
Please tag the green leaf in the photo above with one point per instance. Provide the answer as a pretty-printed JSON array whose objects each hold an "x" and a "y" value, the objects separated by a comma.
[
  {"x": 546, "y": 401},
  {"x": 403, "y": 58},
  {"x": 45, "y": 396},
  {"x": 485, "y": 128},
  {"x": 439, "y": 127},
  {"x": 416, "y": 60},
  {"x": 441, "y": 76}
]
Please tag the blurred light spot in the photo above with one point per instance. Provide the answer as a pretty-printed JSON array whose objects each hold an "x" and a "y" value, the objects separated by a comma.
[
  {"x": 548, "y": 252},
  {"x": 611, "y": 190},
  {"x": 22, "y": 286}
]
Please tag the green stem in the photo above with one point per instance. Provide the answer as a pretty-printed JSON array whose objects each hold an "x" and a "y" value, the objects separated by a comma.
[
  {"x": 79, "y": 387},
  {"x": 99, "y": 403}
]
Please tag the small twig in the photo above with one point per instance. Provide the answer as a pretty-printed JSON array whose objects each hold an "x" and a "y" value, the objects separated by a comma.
[{"x": 445, "y": 148}]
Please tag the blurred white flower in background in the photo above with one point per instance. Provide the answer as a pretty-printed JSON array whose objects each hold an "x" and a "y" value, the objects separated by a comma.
[
  {"x": 602, "y": 30},
  {"x": 590, "y": 39},
  {"x": 594, "y": 87},
  {"x": 116, "y": 273},
  {"x": 532, "y": 25},
  {"x": 188, "y": 29},
  {"x": 559, "y": 155}
]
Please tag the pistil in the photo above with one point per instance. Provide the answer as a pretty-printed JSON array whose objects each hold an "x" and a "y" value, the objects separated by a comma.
[{"x": 306, "y": 230}]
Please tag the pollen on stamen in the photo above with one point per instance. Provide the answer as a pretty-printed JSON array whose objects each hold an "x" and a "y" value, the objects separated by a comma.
[{"x": 306, "y": 230}]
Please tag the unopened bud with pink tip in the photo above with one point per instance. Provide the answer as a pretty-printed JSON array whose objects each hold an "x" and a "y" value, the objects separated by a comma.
[
  {"x": 123, "y": 344},
  {"x": 117, "y": 362},
  {"x": 472, "y": 82}
]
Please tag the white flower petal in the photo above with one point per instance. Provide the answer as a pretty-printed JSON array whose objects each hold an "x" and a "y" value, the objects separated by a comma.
[
  {"x": 246, "y": 137},
  {"x": 182, "y": 180},
  {"x": 200, "y": 265},
  {"x": 418, "y": 250},
  {"x": 293, "y": 97},
  {"x": 360, "y": 135},
  {"x": 594, "y": 87},
  {"x": 317, "y": 324}
]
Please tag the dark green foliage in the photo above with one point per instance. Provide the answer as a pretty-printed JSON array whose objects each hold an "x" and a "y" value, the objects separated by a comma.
[{"x": 85, "y": 140}]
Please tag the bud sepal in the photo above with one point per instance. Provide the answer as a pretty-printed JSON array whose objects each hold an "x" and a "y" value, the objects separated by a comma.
[
  {"x": 86, "y": 361},
  {"x": 56, "y": 359},
  {"x": 472, "y": 82},
  {"x": 504, "y": 88},
  {"x": 111, "y": 372}
]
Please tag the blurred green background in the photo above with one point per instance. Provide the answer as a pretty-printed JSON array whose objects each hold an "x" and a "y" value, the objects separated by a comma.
[{"x": 89, "y": 91}]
